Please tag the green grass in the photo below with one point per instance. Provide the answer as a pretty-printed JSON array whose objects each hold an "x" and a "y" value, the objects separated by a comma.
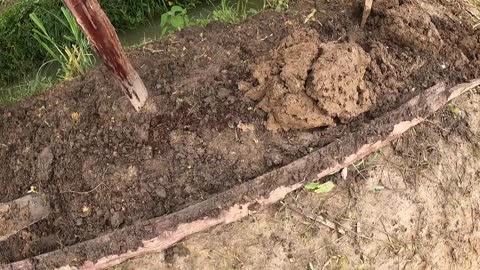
[
  {"x": 276, "y": 4},
  {"x": 21, "y": 54},
  {"x": 27, "y": 88},
  {"x": 232, "y": 13},
  {"x": 74, "y": 58}
]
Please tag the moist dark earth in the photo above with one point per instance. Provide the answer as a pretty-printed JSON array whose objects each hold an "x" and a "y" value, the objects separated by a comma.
[{"x": 227, "y": 104}]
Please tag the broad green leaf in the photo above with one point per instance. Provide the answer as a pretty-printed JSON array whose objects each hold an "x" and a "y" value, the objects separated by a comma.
[
  {"x": 311, "y": 186},
  {"x": 163, "y": 20},
  {"x": 177, "y": 9},
  {"x": 177, "y": 22},
  {"x": 325, "y": 187}
]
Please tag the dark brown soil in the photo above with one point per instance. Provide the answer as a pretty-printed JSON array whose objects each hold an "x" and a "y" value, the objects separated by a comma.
[{"x": 103, "y": 166}]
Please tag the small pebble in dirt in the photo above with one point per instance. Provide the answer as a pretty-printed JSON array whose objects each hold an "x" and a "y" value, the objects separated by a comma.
[
  {"x": 116, "y": 219},
  {"x": 231, "y": 99},
  {"x": 161, "y": 192},
  {"x": 79, "y": 222},
  {"x": 160, "y": 209},
  {"x": 274, "y": 158},
  {"x": 44, "y": 164},
  {"x": 99, "y": 212},
  {"x": 179, "y": 250},
  {"x": 223, "y": 93}
]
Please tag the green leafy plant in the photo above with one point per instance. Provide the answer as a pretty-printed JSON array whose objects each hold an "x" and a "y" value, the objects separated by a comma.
[
  {"x": 20, "y": 53},
  {"x": 75, "y": 57},
  {"x": 175, "y": 19},
  {"x": 320, "y": 188}
]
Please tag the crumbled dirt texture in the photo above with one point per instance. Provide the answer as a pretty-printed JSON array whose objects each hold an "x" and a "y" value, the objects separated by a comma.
[
  {"x": 309, "y": 84},
  {"x": 413, "y": 205},
  {"x": 103, "y": 166},
  {"x": 408, "y": 25}
]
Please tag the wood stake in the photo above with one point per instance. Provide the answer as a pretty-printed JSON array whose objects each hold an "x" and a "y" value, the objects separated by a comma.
[
  {"x": 102, "y": 36},
  {"x": 366, "y": 12}
]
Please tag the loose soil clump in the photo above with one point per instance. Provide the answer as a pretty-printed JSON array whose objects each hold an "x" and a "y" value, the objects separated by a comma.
[
  {"x": 103, "y": 166},
  {"x": 310, "y": 84}
]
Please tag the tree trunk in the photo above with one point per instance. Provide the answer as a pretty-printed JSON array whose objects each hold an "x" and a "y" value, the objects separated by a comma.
[{"x": 102, "y": 36}]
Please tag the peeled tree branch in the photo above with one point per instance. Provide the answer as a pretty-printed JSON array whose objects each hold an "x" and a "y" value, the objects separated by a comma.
[{"x": 102, "y": 36}]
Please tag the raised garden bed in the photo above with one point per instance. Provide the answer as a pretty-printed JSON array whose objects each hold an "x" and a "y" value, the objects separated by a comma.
[{"x": 122, "y": 184}]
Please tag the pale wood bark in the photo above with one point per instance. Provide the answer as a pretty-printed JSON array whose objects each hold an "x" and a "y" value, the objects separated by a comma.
[
  {"x": 367, "y": 8},
  {"x": 102, "y": 36},
  {"x": 21, "y": 213}
]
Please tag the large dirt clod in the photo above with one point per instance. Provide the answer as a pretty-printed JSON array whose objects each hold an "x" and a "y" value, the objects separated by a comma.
[{"x": 309, "y": 84}]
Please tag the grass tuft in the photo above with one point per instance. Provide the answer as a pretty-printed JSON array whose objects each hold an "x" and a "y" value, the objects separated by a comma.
[
  {"x": 75, "y": 57},
  {"x": 232, "y": 13},
  {"x": 277, "y": 5}
]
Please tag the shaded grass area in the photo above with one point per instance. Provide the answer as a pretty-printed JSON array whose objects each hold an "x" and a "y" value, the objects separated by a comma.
[
  {"x": 21, "y": 54},
  {"x": 27, "y": 88}
]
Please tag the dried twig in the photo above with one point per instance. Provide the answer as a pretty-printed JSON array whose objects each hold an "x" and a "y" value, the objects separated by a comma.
[
  {"x": 319, "y": 219},
  {"x": 84, "y": 192}
]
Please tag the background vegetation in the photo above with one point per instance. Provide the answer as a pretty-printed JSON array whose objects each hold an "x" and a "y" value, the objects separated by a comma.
[
  {"x": 41, "y": 37},
  {"x": 21, "y": 55}
]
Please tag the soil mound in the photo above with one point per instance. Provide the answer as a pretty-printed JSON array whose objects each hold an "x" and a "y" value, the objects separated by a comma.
[
  {"x": 411, "y": 26},
  {"x": 84, "y": 147},
  {"x": 308, "y": 84}
]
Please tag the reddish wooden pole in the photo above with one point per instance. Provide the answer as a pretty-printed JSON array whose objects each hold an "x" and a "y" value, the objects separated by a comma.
[{"x": 101, "y": 34}]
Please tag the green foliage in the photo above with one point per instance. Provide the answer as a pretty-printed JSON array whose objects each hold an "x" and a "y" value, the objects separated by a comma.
[
  {"x": 320, "y": 188},
  {"x": 21, "y": 54},
  {"x": 75, "y": 57},
  {"x": 232, "y": 13},
  {"x": 127, "y": 14},
  {"x": 175, "y": 19},
  {"x": 277, "y": 5},
  {"x": 29, "y": 87}
]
